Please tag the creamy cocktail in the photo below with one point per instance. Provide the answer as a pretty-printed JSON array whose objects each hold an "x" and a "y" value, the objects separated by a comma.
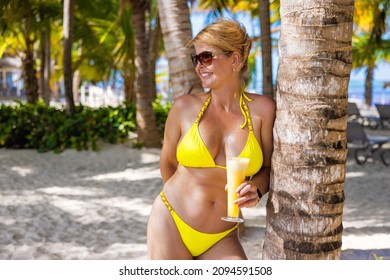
[{"x": 236, "y": 169}]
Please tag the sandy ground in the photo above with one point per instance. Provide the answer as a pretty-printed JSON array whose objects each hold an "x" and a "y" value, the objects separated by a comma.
[{"x": 95, "y": 205}]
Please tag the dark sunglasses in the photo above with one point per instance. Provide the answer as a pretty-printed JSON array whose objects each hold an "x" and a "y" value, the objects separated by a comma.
[{"x": 205, "y": 58}]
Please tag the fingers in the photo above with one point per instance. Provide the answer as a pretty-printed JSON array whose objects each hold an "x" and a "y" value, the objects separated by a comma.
[
  {"x": 247, "y": 202},
  {"x": 247, "y": 193},
  {"x": 243, "y": 188}
]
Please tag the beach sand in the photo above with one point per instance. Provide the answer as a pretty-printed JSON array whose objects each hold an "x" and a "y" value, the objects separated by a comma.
[{"x": 95, "y": 205}]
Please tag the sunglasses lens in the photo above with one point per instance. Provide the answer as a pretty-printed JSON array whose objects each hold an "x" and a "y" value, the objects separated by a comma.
[
  {"x": 194, "y": 59},
  {"x": 205, "y": 58}
]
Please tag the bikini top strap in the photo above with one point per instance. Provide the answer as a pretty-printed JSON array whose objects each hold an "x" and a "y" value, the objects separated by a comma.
[
  {"x": 204, "y": 107},
  {"x": 245, "y": 111}
]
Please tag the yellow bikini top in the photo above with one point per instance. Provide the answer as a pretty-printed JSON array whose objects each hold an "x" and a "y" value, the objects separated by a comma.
[{"x": 192, "y": 151}]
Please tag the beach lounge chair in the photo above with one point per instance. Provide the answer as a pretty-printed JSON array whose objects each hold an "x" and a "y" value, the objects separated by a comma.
[
  {"x": 384, "y": 115},
  {"x": 367, "y": 145},
  {"x": 353, "y": 111},
  {"x": 355, "y": 115}
]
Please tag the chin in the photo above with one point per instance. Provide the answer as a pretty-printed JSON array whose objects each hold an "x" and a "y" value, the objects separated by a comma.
[{"x": 206, "y": 84}]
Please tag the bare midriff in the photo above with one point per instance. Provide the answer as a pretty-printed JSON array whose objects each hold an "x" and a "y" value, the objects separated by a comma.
[{"x": 198, "y": 196}]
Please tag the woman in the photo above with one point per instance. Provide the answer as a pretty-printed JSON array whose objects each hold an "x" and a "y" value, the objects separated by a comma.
[{"x": 201, "y": 131}]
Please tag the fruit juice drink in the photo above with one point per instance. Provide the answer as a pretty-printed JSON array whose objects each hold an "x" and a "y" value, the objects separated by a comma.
[{"x": 236, "y": 169}]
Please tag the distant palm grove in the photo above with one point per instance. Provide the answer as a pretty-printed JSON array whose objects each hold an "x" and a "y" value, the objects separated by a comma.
[{"x": 67, "y": 43}]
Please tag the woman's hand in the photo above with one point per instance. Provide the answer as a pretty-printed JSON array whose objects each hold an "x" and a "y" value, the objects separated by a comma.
[{"x": 247, "y": 193}]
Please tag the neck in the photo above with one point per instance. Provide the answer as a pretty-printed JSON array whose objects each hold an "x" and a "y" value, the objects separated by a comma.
[{"x": 226, "y": 99}]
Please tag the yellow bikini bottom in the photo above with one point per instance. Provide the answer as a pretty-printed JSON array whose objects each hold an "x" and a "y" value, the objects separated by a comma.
[{"x": 196, "y": 242}]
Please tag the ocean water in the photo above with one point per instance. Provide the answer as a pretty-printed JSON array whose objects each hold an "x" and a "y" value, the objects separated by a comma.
[{"x": 380, "y": 95}]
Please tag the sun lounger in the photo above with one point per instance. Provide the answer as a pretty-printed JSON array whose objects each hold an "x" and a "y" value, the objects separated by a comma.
[
  {"x": 384, "y": 115},
  {"x": 353, "y": 111},
  {"x": 367, "y": 145},
  {"x": 355, "y": 115}
]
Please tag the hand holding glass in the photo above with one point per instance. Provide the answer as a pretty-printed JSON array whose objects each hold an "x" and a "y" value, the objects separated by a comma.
[{"x": 236, "y": 169}]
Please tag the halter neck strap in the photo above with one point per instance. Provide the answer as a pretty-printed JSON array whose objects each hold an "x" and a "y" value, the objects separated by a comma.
[
  {"x": 243, "y": 107},
  {"x": 204, "y": 107},
  {"x": 245, "y": 111}
]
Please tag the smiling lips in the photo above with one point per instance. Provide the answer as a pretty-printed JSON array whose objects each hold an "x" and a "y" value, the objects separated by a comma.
[{"x": 206, "y": 74}]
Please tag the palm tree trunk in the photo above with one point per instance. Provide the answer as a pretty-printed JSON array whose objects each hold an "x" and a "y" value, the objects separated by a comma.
[
  {"x": 306, "y": 198},
  {"x": 266, "y": 47},
  {"x": 176, "y": 29},
  {"x": 30, "y": 75},
  {"x": 155, "y": 37},
  {"x": 368, "y": 86},
  {"x": 68, "y": 32},
  {"x": 146, "y": 121},
  {"x": 45, "y": 62},
  {"x": 128, "y": 87}
]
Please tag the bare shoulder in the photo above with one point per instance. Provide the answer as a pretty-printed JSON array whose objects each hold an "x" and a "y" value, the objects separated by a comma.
[
  {"x": 189, "y": 104},
  {"x": 190, "y": 97},
  {"x": 263, "y": 104}
]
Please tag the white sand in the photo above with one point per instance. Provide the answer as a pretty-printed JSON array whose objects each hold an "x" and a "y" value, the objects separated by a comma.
[{"x": 95, "y": 205}]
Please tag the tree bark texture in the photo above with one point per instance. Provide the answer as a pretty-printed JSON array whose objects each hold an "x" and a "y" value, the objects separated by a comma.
[
  {"x": 68, "y": 40},
  {"x": 30, "y": 73},
  {"x": 368, "y": 86},
  {"x": 45, "y": 63},
  {"x": 306, "y": 197},
  {"x": 266, "y": 47},
  {"x": 146, "y": 120},
  {"x": 155, "y": 39}
]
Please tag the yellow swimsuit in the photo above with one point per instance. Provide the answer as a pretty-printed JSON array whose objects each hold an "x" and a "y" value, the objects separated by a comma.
[
  {"x": 192, "y": 152},
  {"x": 196, "y": 242}
]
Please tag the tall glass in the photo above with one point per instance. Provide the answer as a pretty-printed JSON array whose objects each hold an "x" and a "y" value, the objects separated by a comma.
[{"x": 236, "y": 168}]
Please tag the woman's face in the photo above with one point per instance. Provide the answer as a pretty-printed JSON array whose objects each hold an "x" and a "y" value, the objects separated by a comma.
[{"x": 218, "y": 72}]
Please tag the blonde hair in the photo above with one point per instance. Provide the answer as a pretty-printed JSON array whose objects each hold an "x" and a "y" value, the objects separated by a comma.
[{"x": 228, "y": 36}]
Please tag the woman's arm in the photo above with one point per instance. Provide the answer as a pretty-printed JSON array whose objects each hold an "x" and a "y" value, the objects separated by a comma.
[
  {"x": 172, "y": 133},
  {"x": 262, "y": 178},
  {"x": 260, "y": 181}
]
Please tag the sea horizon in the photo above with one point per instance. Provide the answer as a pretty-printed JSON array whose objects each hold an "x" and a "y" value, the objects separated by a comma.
[{"x": 380, "y": 95}]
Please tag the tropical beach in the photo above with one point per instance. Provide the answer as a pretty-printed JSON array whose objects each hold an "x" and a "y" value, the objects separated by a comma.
[
  {"x": 95, "y": 205},
  {"x": 77, "y": 76}
]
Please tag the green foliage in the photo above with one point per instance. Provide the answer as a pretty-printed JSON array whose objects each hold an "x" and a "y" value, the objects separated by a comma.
[
  {"x": 161, "y": 110},
  {"x": 137, "y": 144},
  {"x": 45, "y": 128}
]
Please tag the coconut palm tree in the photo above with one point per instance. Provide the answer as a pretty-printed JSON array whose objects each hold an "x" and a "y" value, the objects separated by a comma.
[
  {"x": 369, "y": 45},
  {"x": 124, "y": 51},
  {"x": 306, "y": 197},
  {"x": 367, "y": 53},
  {"x": 67, "y": 60},
  {"x": 45, "y": 70},
  {"x": 155, "y": 41},
  {"x": 18, "y": 19},
  {"x": 98, "y": 40},
  {"x": 176, "y": 32},
  {"x": 146, "y": 122},
  {"x": 266, "y": 47}
]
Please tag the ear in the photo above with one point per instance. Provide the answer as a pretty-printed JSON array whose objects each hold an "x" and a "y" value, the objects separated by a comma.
[{"x": 236, "y": 61}]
